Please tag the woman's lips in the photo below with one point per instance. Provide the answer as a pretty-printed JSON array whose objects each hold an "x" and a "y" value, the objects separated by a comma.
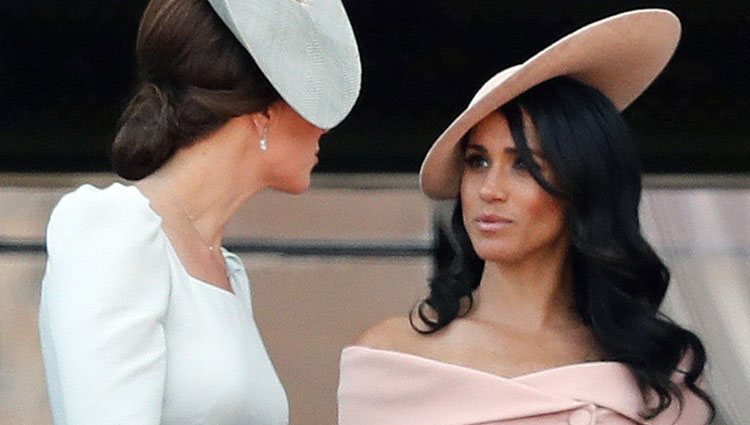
[{"x": 488, "y": 222}]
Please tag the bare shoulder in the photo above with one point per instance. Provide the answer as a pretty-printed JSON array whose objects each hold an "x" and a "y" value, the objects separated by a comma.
[{"x": 394, "y": 334}]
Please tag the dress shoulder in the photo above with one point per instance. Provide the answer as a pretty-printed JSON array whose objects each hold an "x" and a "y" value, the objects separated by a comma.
[
  {"x": 104, "y": 298},
  {"x": 117, "y": 212},
  {"x": 105, "y": 243}
]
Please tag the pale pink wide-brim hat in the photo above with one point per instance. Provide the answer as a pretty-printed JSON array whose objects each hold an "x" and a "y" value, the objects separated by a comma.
[{"x": 620, "y": 56}]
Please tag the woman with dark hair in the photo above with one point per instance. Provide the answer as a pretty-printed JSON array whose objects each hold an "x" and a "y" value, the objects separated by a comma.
[
  {"x": 144, "y": 318},
  {"x": 549, "y": 310}
]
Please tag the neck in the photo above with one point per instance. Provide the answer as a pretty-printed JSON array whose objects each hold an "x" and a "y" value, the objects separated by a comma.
[
  {"x": 533, "y": 294},
  {"x": 208, "y": 181}
]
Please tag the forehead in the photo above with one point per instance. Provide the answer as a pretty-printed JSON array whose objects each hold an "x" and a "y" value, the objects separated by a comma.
[{"x": 493, "y": 132}]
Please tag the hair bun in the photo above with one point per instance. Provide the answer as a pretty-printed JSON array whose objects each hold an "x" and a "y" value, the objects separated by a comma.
[{"x": 142, "y": 143}]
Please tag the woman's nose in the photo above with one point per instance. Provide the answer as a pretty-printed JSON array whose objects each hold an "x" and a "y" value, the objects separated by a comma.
[{"x": 493, "y": 187}]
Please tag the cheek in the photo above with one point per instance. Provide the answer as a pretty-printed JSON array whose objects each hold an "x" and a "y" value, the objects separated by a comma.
[
  {"x": 469, "y": 188},
  {"x": 293, "y": 149},
  {"x": 547, "y": 215},
  {"x": 468, "y": 200},
  {"x": 305, "y": 135},
  {"x": 290, "y": 166}
]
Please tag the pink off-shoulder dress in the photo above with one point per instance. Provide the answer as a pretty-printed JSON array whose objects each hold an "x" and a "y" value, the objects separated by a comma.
[{"x": 379, "y": 387}]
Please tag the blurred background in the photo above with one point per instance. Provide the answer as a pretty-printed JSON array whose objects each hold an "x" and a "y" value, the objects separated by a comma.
[{"x": 66, "y": 71}]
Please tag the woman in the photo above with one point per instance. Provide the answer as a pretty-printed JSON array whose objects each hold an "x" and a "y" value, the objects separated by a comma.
[
  {"x": 549, "y": 311},
  {"x": 144, "y": 319}
]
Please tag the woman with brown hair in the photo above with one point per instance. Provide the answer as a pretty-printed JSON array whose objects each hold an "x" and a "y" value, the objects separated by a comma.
[{"x": 144, "y": 318}]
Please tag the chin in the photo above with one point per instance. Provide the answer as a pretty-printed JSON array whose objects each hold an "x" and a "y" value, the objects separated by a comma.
[
  {"x": 296, "y": 188},
  {"x": 496, "y": 253},
  {"x": 500, "y": 258},
  {"x": 291, "y": 182}
]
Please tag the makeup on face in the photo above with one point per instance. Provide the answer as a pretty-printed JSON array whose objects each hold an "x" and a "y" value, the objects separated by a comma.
[{"x": 506, "y": 213}]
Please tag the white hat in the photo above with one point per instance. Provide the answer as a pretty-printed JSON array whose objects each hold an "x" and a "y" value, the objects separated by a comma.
[
  {"x": 620, "y": 56},
  {"x": 306, "y": 49}
]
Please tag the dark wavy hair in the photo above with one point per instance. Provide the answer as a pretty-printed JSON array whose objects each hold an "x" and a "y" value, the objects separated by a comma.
[
  {"x": 193, "y": 77},
  {"x": 619, "y": 282}
]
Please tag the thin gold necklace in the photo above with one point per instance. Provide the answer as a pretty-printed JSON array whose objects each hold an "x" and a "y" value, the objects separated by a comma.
[{"x": 189, "y": 217}]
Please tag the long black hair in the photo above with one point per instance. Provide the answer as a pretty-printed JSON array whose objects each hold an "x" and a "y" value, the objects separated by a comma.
[{"x": 619, "y": 282}]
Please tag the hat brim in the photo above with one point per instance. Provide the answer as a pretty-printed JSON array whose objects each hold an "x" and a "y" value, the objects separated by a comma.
[
  {"x": 620, "y": 56},
  {"x": 306, "y": 49}
]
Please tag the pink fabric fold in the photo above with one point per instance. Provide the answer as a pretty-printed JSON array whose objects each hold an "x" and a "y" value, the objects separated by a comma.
[{"x": 379, "y": 387}]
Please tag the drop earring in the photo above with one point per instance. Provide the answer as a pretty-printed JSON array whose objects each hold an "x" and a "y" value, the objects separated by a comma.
[{"x": 264, "y": 140}]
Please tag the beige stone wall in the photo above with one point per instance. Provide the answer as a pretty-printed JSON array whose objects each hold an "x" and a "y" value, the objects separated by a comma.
[
  {"x": 308, "y": 309},
  {"x": 23, "y": 397}
]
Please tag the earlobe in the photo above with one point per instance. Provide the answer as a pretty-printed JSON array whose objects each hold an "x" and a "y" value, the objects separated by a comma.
[{"x": 260, "y": 122}]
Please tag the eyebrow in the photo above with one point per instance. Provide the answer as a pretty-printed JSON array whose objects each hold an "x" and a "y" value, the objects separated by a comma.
[
  {"x": 509, "y": 150},
  {"x": 476, "y": 147}
]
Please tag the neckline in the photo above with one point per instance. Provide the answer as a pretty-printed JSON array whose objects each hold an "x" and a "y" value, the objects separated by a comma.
[
  {"x": 583, "y": 382},
  {"x": 200, "y": 282},
  {"x": 524, "y": 376}
]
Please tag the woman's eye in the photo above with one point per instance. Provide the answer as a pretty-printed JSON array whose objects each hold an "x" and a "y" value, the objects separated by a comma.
[{"x": 476, "y": 161}]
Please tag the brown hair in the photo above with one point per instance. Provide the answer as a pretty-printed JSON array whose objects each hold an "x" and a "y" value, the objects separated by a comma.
[{"x": 193, "y": 76}]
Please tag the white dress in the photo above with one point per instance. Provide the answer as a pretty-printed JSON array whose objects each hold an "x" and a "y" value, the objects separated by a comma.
[{"x": 129, "y": 337}]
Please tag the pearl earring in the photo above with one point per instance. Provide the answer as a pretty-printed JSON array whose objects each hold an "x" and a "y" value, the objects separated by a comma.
[{"x": 264, "y": 140}]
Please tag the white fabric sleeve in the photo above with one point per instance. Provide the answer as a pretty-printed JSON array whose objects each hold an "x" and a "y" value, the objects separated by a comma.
[{"x": 104, "y": 298}]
